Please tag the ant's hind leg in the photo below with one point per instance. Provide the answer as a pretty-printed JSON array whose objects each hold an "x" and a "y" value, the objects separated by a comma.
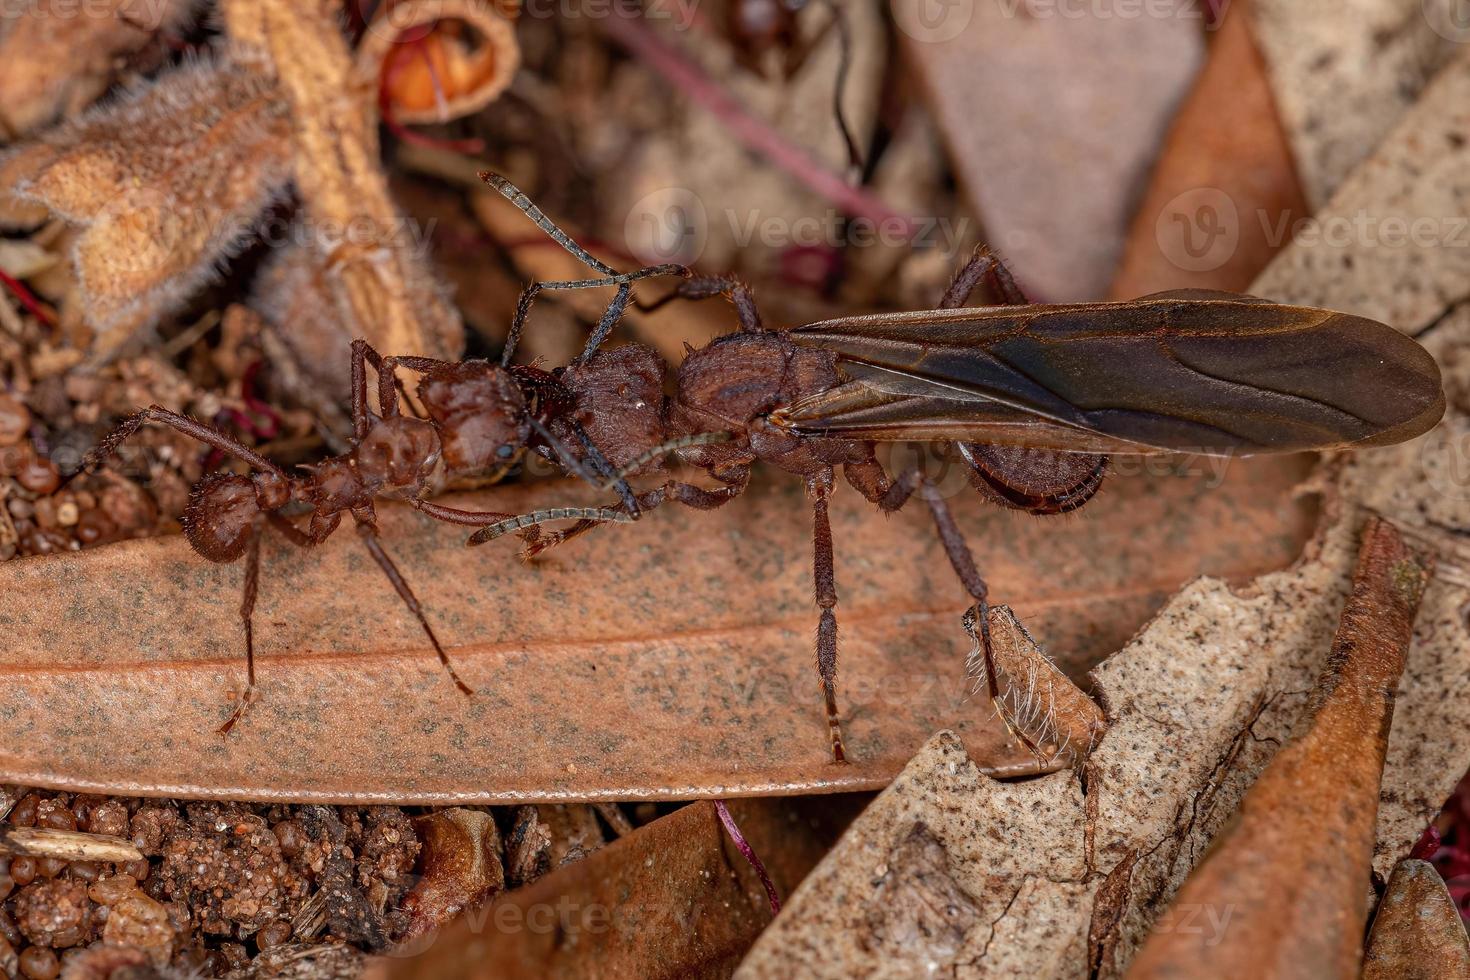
[
  {"x": 983, "y": 267},
  {"x": 247, "y": 616},
  {"x": 369, "y": 534},
  {"x": 825, "y": 580}
]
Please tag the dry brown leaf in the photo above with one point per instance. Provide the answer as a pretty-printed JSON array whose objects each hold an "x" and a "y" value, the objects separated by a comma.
[
  {"x": 1053, "y": 118},
  {"x": 1418, "y": 933},
  {"x": 57, "y": 56},
  {"x": 670, "y": 658},
  {"x": 355, "y": 255},
  {"x": 1292, "y": 869},
  {"x": 672, "y": 899},
  {"x": 1224, "y": 180},
  {"x": 1345, "y": 71},
  {"x": 164, "y": 183}
]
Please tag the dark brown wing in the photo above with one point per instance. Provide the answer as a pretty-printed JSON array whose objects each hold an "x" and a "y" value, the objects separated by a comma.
[{"x": 1188, "y": 371}]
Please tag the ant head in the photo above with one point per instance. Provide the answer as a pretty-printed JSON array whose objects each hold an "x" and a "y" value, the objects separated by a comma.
[
  {"x": 398, "y": 452},
  {"x": 220, "y": 516},
  {"x": 481, "y": 414}
]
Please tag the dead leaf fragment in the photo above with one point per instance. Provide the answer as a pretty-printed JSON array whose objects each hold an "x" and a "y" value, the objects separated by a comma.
[
  {"x": 918, "y": 915},
  {"x": 1418, "y": 933},
  {"x": 1345, "y": 71},
  {"x": 1075, "y": 105},
  {"x": 593, "y": 683},
  {"x": 1224, "y": 194},
  {"x": 1293, "y": 868},
  {"x": 460, "y": 867}
]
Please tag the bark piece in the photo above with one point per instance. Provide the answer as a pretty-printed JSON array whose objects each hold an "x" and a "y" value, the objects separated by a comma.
[
  {"x": 1224, "y": 193},
  {"x": 1292, "y": 870},
  {"x": 672, "y": 899},
  {"x": 1345, "y": 72},
  {"x": 1076, "y": 102},
  {"x": 1418, "y": 933},
  {"x": 1394, "y": 240},
  {"x": 669, "y": 659}
]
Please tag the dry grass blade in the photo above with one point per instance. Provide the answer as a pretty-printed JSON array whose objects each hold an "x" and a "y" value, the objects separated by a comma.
[
  {"x": 669, "y": 658},
  {"x": 65, "y": 845}
]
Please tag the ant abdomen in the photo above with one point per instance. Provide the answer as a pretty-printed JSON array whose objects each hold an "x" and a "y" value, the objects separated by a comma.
[
  {"x": 220, "y": 516},
  {"x": 1038, "y": 481}
]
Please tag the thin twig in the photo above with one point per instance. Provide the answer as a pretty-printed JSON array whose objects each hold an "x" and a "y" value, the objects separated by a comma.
[{"x": 748, "y": 852}]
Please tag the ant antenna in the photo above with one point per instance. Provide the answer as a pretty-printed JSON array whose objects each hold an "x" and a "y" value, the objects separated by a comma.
[
  {"x": 600, "y": 468},
  {"x": 682, "y": 442},
  {"x": 610, "y": 276},
  {"x": 601, "y": 514},
  {"x": 844, "y": 62}
]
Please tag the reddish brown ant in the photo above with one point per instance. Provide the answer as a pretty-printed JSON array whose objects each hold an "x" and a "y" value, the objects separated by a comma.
[
  {"x": 481, "y": 418},
  {"x": 1031, "y": 398}
]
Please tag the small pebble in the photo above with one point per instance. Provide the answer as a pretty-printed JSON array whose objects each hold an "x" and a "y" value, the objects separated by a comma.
[{"x": 39, "y": 963}]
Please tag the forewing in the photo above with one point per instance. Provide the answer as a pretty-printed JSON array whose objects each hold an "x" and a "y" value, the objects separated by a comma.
[{"x": 1179, "y": 372}]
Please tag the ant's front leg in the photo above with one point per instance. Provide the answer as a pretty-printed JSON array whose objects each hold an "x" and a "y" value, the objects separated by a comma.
[{"x": 367, "y": 529}]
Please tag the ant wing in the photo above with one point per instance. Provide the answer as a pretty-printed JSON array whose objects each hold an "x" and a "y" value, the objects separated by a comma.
[
  {"x": 1185, "y": 371},
  {"x": 860, "y": 410}
]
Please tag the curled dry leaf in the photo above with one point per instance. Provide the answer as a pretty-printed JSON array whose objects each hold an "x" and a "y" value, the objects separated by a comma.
[
  {"x": 669, "y": 658},
  {"x": 1224, "y": 193},
  {"x": 1417, "y": 933},
  {"x": 57, "y": 56},
  {"x": 437, "y": 60},
  {"x": 1345, "y": 71},
  {"x": 163, "y": 183},
  {"x": 671, "y": 899},
  {"x": 1293, "y": 869},
  {"x": 1053, "y": 169}
]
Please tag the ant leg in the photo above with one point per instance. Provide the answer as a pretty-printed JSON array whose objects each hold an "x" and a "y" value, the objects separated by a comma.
[
  {"x": 247, "y": 614},
  {"x": 610, "y": 317},
  {"x": 983, "y": 266},
  {"x": 206, "y": 434},
  {"x": 368, "y": 531},
  {"x": 825, "y": 579},
  {"x": 705, "y": 287},
  {"x": 868, "y": 479}
]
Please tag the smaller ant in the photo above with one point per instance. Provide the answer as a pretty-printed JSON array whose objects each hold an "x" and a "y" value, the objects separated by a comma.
[{"x": 482, "y": 417}]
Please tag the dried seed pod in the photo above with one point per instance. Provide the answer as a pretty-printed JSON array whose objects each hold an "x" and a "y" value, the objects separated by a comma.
[
  {"x": 461, "y": 868},
  {"x": 165, "y": 182},
  {"x": 55, "y": 60},
  {"x": 437, "y": 60}
]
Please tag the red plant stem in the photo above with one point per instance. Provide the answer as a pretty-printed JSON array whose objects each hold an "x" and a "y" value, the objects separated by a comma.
[
  {"x": 687, "y": 77},
  {"x": 743, "y": 846},
  {"x": 27, "y": 298}
]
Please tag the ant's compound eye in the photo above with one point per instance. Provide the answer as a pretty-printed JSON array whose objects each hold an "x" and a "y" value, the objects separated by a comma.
[{"x": 505, "y": 451}]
